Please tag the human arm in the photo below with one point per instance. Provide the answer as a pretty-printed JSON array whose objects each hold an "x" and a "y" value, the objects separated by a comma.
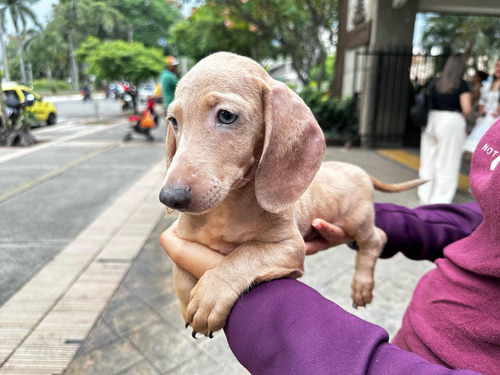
[
  {"x": 191, "y": 256},
  {"x": 465, "y": 103},
  {"x": 285, "y": 327},
  {"x": 423, "y": 232},
  {"x": 419, "y": 233},
  {"x": 197, "y": 259}
]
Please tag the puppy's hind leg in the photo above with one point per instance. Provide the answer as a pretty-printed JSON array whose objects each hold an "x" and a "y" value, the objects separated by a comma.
[{"x": 370, "y": 246}]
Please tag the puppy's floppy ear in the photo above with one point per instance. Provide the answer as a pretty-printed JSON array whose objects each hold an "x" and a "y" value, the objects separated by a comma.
[{"x": 294, "y": 147}]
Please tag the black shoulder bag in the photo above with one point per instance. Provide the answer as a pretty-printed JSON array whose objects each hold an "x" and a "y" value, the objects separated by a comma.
[{"x": 419, "y": 112}]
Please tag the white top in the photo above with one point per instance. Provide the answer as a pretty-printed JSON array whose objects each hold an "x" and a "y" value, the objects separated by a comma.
[{"x": 488, "y": 98}]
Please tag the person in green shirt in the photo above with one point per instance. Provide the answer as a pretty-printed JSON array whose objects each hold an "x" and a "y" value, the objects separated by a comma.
[{"x": 168, "y": 80}]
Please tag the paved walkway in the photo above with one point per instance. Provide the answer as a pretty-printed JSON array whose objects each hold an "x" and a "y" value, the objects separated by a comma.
[{"x": 106, "y": 304}]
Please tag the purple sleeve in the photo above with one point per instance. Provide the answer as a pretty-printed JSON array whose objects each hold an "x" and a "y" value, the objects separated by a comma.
[
  {"x": 285, "y": 327},
  {"x": 423, "y": 232}
]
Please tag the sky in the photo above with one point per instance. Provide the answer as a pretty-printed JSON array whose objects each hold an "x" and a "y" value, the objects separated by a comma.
[{"x": 42, "y": 10}]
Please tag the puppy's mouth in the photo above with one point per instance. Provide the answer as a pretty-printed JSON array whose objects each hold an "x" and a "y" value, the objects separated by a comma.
[{"x": 248, "y": 177}]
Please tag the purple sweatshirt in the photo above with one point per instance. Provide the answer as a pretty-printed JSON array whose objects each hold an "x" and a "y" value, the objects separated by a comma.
[{"x": 453, "y": 320}]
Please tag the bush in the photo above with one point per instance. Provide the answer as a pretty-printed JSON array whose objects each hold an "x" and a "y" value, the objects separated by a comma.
[
  {"x": 337, "y": 117},
  {"x": 42, "y": 86},
  {"x": 30, "y": 119}
]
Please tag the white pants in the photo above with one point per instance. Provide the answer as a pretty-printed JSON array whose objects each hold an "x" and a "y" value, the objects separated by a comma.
[{"x": 440, "y": 156}]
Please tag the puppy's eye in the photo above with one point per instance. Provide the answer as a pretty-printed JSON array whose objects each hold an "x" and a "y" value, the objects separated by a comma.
[
  {"x": 173, "y": 121},
  {"x": 227, "y": 118}
]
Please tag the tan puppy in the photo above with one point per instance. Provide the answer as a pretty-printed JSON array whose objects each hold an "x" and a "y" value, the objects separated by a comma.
[{"x": 243, "y": 154}]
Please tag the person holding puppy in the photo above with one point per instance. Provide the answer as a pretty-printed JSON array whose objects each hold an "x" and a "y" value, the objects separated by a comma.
[{"x": 286, "y": 327}]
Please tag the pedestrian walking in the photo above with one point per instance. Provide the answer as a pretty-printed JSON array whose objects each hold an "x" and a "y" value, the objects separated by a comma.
[
  {"x": 169, "y": 78},
  {"x": 444, "y": 135}
]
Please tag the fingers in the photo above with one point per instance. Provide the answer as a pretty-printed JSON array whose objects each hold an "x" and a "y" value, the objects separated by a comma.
[
  {"x": 330, "y": 235},
  {"x": 333, "y": 234},
  {"x": 315, "y": 245}
]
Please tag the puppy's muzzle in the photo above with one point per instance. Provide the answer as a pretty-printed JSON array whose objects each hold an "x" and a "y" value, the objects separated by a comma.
[{"x": 177, "y": 198}]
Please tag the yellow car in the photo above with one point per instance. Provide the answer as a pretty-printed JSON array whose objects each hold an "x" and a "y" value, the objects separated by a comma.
[{"x": 44, "y": 110}]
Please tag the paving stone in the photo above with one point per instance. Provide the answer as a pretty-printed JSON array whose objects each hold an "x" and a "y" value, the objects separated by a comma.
[
  {"x": 165, "y": 346},
  {"x": 127, "y": 312},
  {"x": 142, "y": 368},
  {"x": 107, "y": 359},
  {"x": 101, "y": 335}
]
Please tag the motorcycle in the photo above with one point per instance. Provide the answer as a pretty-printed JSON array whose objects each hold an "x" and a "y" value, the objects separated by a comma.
[
  {"x": 127, "y": 101},
  {"x": 15, "y": 108},
  {"x": 86, "y": 94},
  {"x": 127, "y": 97}
]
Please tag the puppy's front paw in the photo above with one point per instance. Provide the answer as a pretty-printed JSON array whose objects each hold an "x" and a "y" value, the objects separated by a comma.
[
  {"x": 210, "y": 303},
  {"x": 361, "y": 289}
]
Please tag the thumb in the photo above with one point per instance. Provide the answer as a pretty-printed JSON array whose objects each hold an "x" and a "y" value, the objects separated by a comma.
[{"x": 333, "y": 234}]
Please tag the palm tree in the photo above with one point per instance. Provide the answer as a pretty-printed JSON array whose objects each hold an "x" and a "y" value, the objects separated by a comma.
[
  {"x": 65, "y": 13},
  {"x": 20, "y": 12},
  {"x": 2, "y": 45}
]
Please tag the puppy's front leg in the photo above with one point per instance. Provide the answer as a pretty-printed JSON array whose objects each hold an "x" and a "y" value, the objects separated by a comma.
[
  {"x": 184, "y": 282},
  {"x": 218, "y": 289}
]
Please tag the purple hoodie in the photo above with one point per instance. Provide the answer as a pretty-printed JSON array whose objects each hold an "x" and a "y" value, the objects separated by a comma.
[
  {"x": 454, "y": 316},
  {"x": 285, "y": 327}
]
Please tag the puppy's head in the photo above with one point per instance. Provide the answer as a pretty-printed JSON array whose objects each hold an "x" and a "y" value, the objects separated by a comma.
[{"x": 230, "y": 124}]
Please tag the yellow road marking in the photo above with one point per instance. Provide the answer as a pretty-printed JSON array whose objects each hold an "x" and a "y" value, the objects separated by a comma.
[
  {"x": 413, "y": 162},
  {"x": 28, "y": 185}
]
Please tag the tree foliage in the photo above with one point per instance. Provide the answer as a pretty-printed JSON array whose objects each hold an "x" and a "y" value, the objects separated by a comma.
[
  {"x": 300, "y": 29},
  {"x": 456, "y": 34},
  {"x": 148, "y": 22},
  {"x": 207, "y": 31},
  {"x": 117, "y": 60}
]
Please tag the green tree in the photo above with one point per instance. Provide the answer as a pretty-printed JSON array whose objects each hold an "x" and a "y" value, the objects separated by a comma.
[
  {"x": 458, "y": 34},
  {"x": 3, "y": 46},
  {"x": 300, "y": 29},
  {"x": 78, "y": 19},
  {"x": 144, "y": 21},
  {"x": 117, "y": 60},
  {"x": 207, "y": 31},
  {"x": 48, "y": 54},
  {"x": 20, "y": 12}
]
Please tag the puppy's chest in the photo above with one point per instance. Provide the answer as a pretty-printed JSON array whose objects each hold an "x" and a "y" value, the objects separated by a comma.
[{"x": 218, "y": 234}]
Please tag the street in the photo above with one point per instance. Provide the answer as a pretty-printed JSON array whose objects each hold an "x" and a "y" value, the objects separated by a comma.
[
  {"x": 73, "y": 108},
  {"x": 51, "y": 191}
]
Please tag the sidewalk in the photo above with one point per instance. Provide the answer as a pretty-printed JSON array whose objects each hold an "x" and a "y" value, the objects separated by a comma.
[{"x": 106, "y": 303}]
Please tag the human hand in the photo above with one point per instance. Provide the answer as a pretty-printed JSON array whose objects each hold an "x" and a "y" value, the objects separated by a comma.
[
  {"x": 328, "y": 235},
  {"x": 171, "y": 243},
  {"x": 191, "y": 256}
]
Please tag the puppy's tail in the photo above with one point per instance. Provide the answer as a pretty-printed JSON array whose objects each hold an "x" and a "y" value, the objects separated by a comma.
[{"x": 394, "y": 188}]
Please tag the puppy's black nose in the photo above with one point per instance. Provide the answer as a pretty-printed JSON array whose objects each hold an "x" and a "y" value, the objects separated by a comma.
[{"x": 177, "y": 198}]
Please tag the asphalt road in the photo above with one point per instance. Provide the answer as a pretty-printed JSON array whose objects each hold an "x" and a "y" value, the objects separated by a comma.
[
  {"x": 50, "y": 192},
  {"x": 71, "y": 109}
]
